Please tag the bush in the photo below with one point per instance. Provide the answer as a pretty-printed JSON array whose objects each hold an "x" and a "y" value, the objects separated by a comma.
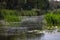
[
  {"x": 28, "y": 13},
  {"x": 10, "y": 15},
  {"x": 12, "y": 18},
  {"x": 52, "y": 19},
  {"x": 9, "y": 12},
  {"x": 19, "y": 13},
  {"x": 1, "y": 16}
]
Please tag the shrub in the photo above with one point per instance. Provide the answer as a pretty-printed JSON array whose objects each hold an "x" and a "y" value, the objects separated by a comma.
[
  {"x": 12, "y": 18},
  {"x": 52, "y": 19},
  {"x": 9, "y": 12},
  {"x": 28, "y": 13},
  {"x": 1, "y": 16},
  {"x": 19, "y": 13}
]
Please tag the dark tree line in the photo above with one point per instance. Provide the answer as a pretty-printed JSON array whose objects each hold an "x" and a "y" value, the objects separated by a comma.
[
  {"x": 25, "y": 4},
  {"x": 11, "y": 4}
]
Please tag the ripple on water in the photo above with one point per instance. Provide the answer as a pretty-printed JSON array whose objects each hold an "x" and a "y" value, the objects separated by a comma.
[{"x": 51, "y": 36}]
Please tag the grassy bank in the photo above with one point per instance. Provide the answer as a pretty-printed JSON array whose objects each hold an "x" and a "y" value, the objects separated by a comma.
[
  {"x": 53, "y": 18},
  {"x": 16, "y": 16},
  {"x": 19, "y": 13}
]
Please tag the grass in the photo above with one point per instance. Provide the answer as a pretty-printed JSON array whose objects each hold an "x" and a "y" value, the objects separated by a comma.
[
  {"x": 12, "y": 18},
  {"x": 16, "y": 16},
  {"x": 53, "y": 18},
  {"x": 28, "y": 13},
  {"x": 19, "y": 13}
]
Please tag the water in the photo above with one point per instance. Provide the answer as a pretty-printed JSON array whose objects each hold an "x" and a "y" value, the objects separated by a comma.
[
  {"x": 46, "y": 36},
  {"x": 53, "y": 36}
]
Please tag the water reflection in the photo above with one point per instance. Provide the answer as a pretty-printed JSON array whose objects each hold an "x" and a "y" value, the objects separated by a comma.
[
  {"x": 48, "y": 35},
  {"x": 21, "y": 37},
  {"x": 51, "y": 36}
]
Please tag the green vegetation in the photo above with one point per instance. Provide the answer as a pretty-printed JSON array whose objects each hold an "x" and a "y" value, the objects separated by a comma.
[
  {"x": 19, "y": 13},
  {"x": 11, "y": 16},
  {"x": 43, "y": 4},
  {"x": 53, "y": 19},
  {"x": 24, "y": 4},
  {"x": 28, "y": 13},
  {"x": 14, "y": 15},
  {"x": 1, "y": 16},
  {"x": 9, "y": 12}
]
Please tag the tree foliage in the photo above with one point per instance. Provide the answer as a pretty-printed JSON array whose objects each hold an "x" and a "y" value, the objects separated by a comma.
[
  {"x": 13, "y": 4},
  {"x": 43, "y": 4},
  {"x": 1, "y": 16}
]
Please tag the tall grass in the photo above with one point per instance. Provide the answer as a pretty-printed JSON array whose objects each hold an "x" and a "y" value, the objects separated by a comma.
[
  {"x": 28, "y": 13},
  {"x": 16, "y": 16},
  {"x": 53, "y": 18},
  {"x": 19, "y": 13}
]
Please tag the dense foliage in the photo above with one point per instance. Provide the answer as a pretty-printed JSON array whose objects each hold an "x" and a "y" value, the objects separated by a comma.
[
  {"x": 19, "y": 13},
  {"x": 10, "y": 15},
  {"x": 12, "y": 10},
  {"x": 43, "y": 4},
  {"x": 53, "y": 18},
  {"x": 15, "y": 16},
  {"x": 1, "y": 16},
  {"x": 25, "y": 4}
]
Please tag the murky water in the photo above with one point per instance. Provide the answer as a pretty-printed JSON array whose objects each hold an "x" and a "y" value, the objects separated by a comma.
[
  {"x": 46, "y": 36},
  {"x": 52, "y": 36}
]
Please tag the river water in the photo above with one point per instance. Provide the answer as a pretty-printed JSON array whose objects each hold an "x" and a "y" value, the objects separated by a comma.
[
  {"x": 25, "y": 36},
  {"x": 46, "y": 36}
]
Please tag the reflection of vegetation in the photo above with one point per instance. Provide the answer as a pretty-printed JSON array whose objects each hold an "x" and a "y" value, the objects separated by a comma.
[
  {"x": 24, "y": 35},
  {"x": 1, "y": 25}
]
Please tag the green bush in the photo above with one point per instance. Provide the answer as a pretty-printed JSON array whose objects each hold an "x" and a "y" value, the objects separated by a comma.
[
  {"x": 8, "y": 12},
  {"x": 19, "y": 13},
  {"x": 12, "y": 18},
  {"x": 29, "y": 13},
  {"x": 52, "y": 19},
  {"x": 15, "y": 16}
]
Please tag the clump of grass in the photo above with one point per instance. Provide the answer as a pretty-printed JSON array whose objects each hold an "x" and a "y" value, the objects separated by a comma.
[
  {"x": 19, "y": 13},
  {"x": 29, "y": 13},
  {"x": 52, "y": 19},
  {"x": 16, "y": 16},
  {"x": 12, "y": 18}
]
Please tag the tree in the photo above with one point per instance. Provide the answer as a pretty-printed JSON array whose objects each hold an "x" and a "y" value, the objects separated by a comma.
[
  {"x": 1, "y": 16},
  {"x": 43, "y": 4},
  {"x": 11, "y": 4}
]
